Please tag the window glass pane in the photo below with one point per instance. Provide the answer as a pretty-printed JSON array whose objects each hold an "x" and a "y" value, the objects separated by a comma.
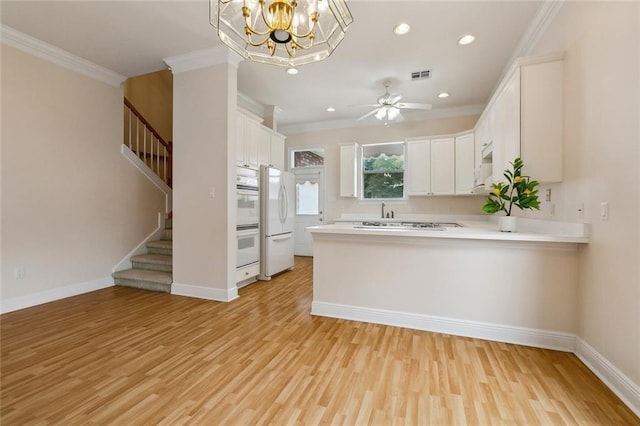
[
  {"x": 383, "y": 171},
  {"x": 307, "y": 200},
  {"x": 307, "y": 158}
]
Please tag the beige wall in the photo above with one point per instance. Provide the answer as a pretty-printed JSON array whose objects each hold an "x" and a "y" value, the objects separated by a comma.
[
  {"x": 602, "y": 157},
  {"x": 72, "y": 205},
  {"x": 152, "y": 95},
  {"x": 204, "y": 175},
  {"x": 331, "y": 140}
]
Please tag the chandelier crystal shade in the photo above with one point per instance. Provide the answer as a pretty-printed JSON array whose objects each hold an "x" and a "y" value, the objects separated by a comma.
[{"x": 281, "y": 32}]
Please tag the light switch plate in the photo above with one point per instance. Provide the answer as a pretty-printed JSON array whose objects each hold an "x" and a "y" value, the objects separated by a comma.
[{"x": 604, "y": 210}]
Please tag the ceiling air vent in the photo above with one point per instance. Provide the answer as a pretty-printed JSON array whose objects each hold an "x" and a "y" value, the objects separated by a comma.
[{"x": 420, "y": 75}]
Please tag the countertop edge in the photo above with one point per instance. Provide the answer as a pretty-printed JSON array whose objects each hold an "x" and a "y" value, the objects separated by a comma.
[{"x": 468, "y": 233}]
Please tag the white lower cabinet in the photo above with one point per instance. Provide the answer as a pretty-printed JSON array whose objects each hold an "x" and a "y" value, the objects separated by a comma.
[
  {"x": 247, "y": 274},
  {"x": 430, "y": 167}
]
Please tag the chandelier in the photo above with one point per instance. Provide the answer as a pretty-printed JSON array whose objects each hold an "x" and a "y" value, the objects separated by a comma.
[{"x": 281, "y": 32}]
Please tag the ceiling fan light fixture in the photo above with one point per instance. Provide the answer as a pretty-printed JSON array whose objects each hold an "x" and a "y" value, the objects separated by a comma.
[
  {"x": 281, "y": 32},
  {"x": 393, "y": 113},
  {"x": 292, "y": 71},
  {"x": 382, "y": 113}
]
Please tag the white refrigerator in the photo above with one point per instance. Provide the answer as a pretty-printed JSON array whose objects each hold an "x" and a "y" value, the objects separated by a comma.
[{"x": 277, "y": 220}]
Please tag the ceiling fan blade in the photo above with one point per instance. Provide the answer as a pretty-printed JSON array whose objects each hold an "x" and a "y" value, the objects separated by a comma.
[
  {"x": 410, "y": 105},
  {"x": 393, "y": 98},
  {"x": 370, "y": 113}
]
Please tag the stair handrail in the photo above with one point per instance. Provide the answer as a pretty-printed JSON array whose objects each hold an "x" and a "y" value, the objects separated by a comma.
[{"x": 166, "y": 172}]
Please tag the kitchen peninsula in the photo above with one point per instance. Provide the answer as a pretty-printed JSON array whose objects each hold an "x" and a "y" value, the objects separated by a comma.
[{"x": 469, "y": 280}]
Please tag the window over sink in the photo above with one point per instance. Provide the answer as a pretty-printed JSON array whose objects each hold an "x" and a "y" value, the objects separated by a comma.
[{"x": 383, "y": 171}]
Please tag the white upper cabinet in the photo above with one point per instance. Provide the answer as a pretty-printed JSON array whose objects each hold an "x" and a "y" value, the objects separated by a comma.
[
  {"x": 258, "y": 145},
  {"x": 271, "y": 148},
  {"x": 276, "y": 149},
  {"x": 248, "y": 140},
  {"x": 418, "y": 175},
  {"x": 525, "y": 119},
  {"x": 430, "y": 167},
  {"x": 442, "y": 166},
  {"x": 465, "y": 164},
  {"x": 349, "y": 170},
  {"x": 541, "y": 134}
]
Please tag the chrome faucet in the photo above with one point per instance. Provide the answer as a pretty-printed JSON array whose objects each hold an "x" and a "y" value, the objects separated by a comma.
[{"x": 382, "y": 215}]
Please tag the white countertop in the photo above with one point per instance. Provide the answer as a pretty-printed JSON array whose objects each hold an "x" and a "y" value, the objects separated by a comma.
[{"x": 475, "y": 228}]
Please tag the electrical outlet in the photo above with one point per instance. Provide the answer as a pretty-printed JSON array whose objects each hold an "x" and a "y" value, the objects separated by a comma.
[
  {"x": 552, "y": 209},
  {"x": 548, "y": 194}
]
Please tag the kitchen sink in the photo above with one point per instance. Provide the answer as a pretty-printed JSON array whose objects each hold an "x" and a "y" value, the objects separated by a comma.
[{"x": 408, "y": 226}]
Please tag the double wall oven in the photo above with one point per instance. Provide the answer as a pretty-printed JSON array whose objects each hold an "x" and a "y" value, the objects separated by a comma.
[{"x": 248, "y": 218}]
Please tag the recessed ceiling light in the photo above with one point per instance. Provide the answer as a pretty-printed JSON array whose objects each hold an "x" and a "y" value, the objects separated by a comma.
[
  {"x": 467, "y": 39},
  {"x": 292, "y": 71},
  {"x": 331, "y": 109},
  {"x": 443, "y": 95},
  {"x": 401, "y": 29}
]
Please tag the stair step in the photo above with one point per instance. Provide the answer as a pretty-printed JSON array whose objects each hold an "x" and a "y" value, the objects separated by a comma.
[
  {"x": 168, "y": 223},
  {"x": 160, "y": 247},
  {"x": 167, "y": 234},
  {"x": 153, "y": 262},
  {"x": 144, "y": 279}
]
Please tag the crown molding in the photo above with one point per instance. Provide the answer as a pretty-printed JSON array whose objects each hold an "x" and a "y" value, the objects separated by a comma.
[
  {"x": 48, "y": 52},
  {"x": 202, "y": 59},
  {"x": 531, "y": 37}
]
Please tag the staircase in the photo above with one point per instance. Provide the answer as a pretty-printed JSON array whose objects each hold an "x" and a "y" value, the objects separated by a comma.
[{"x": 151, "y": 271}]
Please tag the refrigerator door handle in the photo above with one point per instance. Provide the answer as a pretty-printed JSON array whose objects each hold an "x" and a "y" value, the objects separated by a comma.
[
  {"x": 286, "y": 204},
  {"x": 282, "y": 237},
  {"x": 281, "y": 202}
]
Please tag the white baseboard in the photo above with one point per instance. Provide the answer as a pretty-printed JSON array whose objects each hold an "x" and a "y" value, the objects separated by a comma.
[
  {"x": 480, "y": 330},
  {"x": 615, "y": 380},
  {"x": 22, "y": 302},
  {"x": 208, "y": 293}
]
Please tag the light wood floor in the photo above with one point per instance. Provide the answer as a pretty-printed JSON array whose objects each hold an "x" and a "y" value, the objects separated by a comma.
[{"x": 121, "y": 356}]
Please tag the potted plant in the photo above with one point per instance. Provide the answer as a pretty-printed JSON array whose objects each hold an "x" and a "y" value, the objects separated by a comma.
[{"x": 519, "y": 191}]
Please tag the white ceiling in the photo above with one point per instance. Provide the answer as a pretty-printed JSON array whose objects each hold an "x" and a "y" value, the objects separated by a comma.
[{"x": 132, "y": 38}]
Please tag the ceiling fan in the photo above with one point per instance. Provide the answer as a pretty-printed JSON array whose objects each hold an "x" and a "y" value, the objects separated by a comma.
[{"x": 389, "y": 106}]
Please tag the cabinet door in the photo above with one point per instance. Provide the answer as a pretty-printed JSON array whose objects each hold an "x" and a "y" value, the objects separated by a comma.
[
  {"x": 442, "y": 166},
  {"x": 465, "y": 165},
  {"x": 418, "y": 178},
  {"x": 542, "y": 120},
  {"x": 276, "y": 149},
  {"x": 264, "y": 146},
  {"x": 240, "y": 159},
  {"x": 348, "y": 170},
  {"x": 252, "y": 140},
  {"x": 506, "y": 143}
]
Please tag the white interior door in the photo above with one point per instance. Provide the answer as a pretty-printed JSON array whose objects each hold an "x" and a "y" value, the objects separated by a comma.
[{"x": 309, "y": 207}]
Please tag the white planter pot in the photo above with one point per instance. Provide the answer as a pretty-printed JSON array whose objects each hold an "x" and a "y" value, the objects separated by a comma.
[{"x": 508, "y": 223}]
